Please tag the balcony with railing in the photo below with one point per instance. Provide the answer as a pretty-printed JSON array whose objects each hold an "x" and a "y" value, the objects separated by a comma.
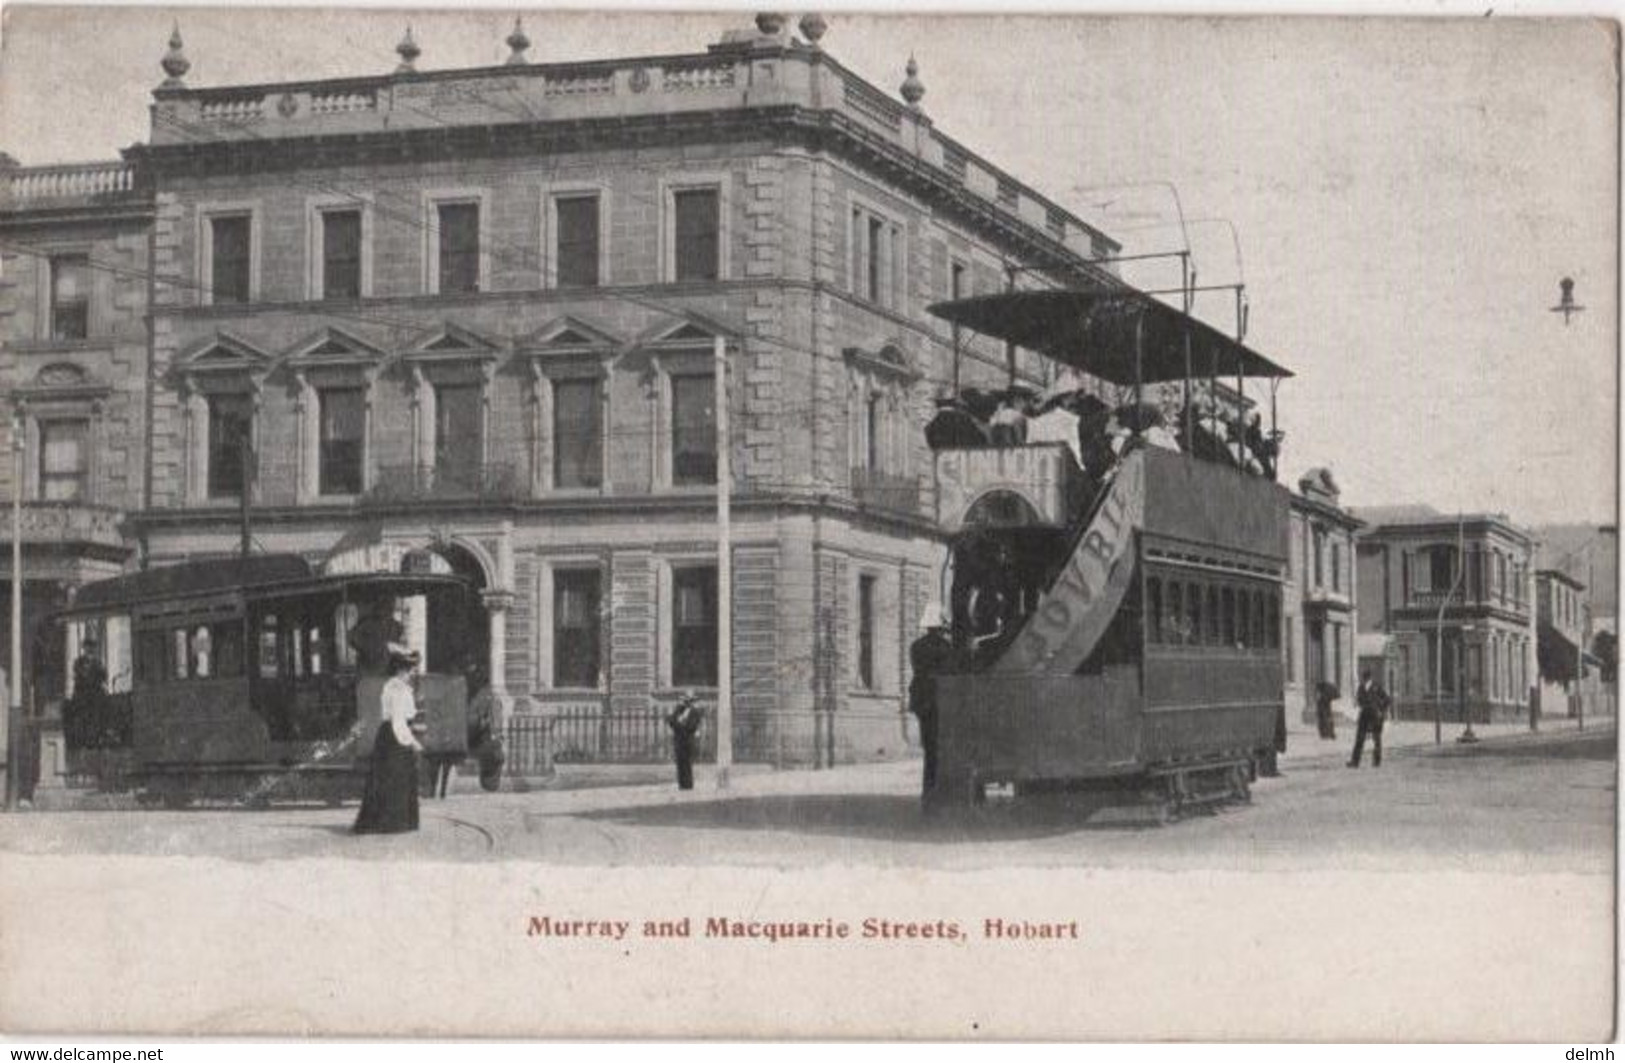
[
  {"x": 886, "y": 492},
  {"x": 477, "y": 482},
  {"x": 69, "y": 185}
]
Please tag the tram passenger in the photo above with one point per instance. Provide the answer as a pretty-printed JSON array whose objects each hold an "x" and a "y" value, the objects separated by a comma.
[
  {"x": 1057, "y": 425},
  {"x": 86, "y": 723},
  {"x": 373, "y": 635},
  {"x": 1009, "y": 423},
  {"x": 389, "y": 804},
  {"x": 929, "y": 656},
  {"x": 1264, "y": 448}
]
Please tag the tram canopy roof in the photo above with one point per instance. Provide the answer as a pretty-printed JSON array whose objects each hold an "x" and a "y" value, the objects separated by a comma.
[
  {"x": 258, "y": 576},
  {"x": 1095, "y": 331}
]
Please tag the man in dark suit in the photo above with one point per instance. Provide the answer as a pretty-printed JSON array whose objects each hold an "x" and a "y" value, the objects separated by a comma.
[
  {"x": 1373, "y": 702},
  {"x": 929, "y": 656}
]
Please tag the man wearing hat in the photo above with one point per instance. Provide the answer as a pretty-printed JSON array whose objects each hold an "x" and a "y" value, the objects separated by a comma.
[
  {"x": 928, "y": 657},
  {"x": 684, "y": 722}
]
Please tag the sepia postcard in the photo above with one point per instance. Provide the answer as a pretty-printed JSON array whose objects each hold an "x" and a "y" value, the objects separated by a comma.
[{"x": 528, "y": 523}]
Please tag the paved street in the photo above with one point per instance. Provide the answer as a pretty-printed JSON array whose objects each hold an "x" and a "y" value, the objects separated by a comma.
[{"x": 1514, "y": 802}]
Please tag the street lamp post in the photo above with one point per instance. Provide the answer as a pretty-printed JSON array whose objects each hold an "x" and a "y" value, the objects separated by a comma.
[{"x": 12, "y": 736}]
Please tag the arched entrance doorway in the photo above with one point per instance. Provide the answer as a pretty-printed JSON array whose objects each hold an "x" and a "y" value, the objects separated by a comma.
[{"x": 457, "y": 635}]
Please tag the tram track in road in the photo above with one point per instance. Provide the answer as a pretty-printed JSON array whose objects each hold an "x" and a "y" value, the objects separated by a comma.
[{"x": 490, "y": 839}]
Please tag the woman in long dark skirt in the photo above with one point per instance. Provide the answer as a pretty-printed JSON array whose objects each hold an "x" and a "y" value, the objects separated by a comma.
[{"x": 389, "y": 804}]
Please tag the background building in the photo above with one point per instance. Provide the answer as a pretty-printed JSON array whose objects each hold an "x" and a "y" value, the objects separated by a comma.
[
  {"x": 74, "y": 290},
  {"x": 1319, "y": 606},
  {"x": 1474, "y": 571},
  {"x": 474, "y": 313}
]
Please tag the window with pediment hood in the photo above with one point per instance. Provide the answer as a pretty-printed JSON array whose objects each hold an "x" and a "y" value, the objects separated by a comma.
[
  {"x": 220, "y": 383},
  {"x": 451, "y": 374},
  {"x": 334, "y": 372},
  {"x": 62, "y": 412},
  {"x": 880, "y": 425},
  {"x": 683, "y": 378},
  {"x": 570, "y": 363}
]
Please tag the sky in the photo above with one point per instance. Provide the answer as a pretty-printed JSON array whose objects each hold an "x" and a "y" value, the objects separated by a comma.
[{"x": 1404, "y": 194}]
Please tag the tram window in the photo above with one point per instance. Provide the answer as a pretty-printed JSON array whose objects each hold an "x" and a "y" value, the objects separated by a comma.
[
  {"x": 1229, "y": 613},
  {"x": 1212, "y": 615},
  {"x": 268, "y": 656},
  {"x": 344, "y": 622},
  {"x": 180, "y": 653},
  {"x": 227, "y": 640},
  {"x": 1194, "y": 605},
  {"x": 1272, "y": 620},
  {"x": 1175, "y": 616},
  {"x": 1153, "y": 603},
  {"x": 151, "y": 655},
  {"x": 1260, "y": 639},
  {"x": 202, "y": 653}
]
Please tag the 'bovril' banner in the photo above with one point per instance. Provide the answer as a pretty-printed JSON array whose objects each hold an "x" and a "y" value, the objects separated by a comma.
[{"x": 1075, "y": 612}]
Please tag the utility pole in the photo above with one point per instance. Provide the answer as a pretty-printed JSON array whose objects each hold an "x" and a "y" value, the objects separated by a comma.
[
  {"x": 11, "y": 733},
  {"x": 725, "y": 715},
  {"x": 246, "y": 464},
  {"x": 1438, "y": 633}
]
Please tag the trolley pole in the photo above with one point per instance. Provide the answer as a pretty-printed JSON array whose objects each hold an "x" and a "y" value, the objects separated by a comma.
[
  {"x": 12, "y": 732},
  {"x": 725, "y": 715}
]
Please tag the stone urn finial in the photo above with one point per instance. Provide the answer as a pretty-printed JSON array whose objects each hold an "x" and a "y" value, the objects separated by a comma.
[
  {"x": 518, "y": 42},
  {"x": 769, "y": 23},
  {"x": 409, "y": 51},
  {"x": 175, "y": 63},
  {"x": 813, "y": 27},
  {"x": 912, "y": 89}
]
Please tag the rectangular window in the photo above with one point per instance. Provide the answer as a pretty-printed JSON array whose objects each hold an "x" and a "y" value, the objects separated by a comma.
[
  {"x": 693, "y": 430},
  {"x": 875, "y": 252},
  {"x": 341, "y": 254},
  {"x": 343, "y": 434},
  {"x": 578, "y": 456},
  {"x": 1175, "y": 622},
  {"x": 1320, "y": 552},
  {"x": 64, "y": 461},
  {"x": 1337, "y": 566},
  {"x": 459, "y": 229},
  {"x": 874, "y": 426},
  {"x": 694, "y": 626},
  {"x": 577, "y": 252},
  {"x": 866, "y": 632},
  {"x": 231, "y": 239},
  {"x": 457, "y": 443},
  {"x": 230, "y": 427},
  {"x": 70, "y": 297},
  {"x": 1213, "y": 616},
  {"x": 956, "y": 282},
  {"x": 1153, "y": 613},
  {"x": 576, "y": 651},
  {"x": 1442, "y": 568},
  {"x": 697, "y": 234}
]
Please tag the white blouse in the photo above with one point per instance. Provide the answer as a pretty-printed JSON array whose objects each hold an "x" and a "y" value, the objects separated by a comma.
[{"x": 399, "y": 706}]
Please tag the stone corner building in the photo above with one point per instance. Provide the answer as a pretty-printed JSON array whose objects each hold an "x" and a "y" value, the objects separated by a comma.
[
  {"x": 1452, "y": 600},
  {"x": 474, "y": 312}
]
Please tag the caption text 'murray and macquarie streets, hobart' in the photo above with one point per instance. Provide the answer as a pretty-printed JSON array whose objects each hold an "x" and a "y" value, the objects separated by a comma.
[{"x": 825, "y": 929}]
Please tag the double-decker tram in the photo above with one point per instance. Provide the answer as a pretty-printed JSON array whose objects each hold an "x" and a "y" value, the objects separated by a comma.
[
  {"x": 253, "y": 679},
  {"x": 1116, "y": 553}
]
